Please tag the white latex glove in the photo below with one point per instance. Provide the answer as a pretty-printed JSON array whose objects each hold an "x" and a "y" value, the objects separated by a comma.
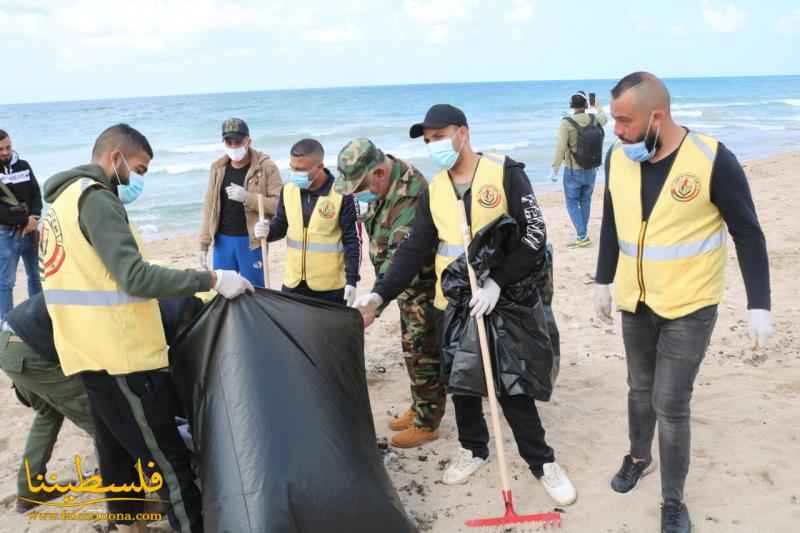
[
  {"x": 202, "y": 259},
  {"x": 261, "y": 229},
  {"x": 237, "y": 193},
  {"x": 760, "y": 327},
  {"x": 484, "y": 300},
  {"x": 367, "y": 305},
  {"x": 349, "y": 295},
  {"x": 554, "y": 176},
  {"x": 231, "y": 284},
  {"x": 602, "y": 303}
]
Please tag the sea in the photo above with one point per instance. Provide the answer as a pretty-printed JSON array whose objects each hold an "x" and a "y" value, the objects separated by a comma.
[{"x": 753, "y": 116}]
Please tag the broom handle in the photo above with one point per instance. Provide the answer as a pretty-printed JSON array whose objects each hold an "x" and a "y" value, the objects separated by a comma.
[
  {"x": 264, "y": 249},
  {"x": 486, "y": 358}
]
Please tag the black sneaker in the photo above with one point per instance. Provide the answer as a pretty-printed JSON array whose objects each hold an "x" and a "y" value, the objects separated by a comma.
[
  {"x": 629, "y": 473},
  {"x": 675, "y": 517}
]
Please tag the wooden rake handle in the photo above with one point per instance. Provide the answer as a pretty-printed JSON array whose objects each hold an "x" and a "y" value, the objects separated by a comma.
[{"x": 486, "y": 358}]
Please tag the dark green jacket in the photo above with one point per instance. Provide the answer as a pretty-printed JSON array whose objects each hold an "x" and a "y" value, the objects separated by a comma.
[{"x": 104, "y": 222}]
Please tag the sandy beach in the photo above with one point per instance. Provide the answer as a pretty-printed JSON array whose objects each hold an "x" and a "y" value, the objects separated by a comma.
[{"x": 744, "y": 476}]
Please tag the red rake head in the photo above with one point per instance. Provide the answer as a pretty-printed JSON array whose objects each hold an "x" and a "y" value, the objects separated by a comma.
[{"x": 552, "y": 519}]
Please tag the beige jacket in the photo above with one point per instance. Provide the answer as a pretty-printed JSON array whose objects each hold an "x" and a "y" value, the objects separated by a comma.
[{"x": 263, "y": 178}]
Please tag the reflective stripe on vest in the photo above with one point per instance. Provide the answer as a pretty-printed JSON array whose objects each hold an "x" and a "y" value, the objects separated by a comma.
[
  {"x": 673, "y": 261},
  {"x": 488, "y": 201},
  {"x": 96, "y": 325},
  {"x": 678, "y": 251},
  {"x": 314, "y": 254},
  {"x": 315, "y": 246},
  {"x": 72, "y": 297}
]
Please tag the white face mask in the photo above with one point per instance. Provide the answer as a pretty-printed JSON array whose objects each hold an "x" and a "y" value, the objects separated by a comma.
[{"x": 236, "y": 154}]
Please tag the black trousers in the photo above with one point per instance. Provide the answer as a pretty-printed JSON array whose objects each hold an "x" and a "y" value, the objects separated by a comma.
[
  {"x": 335, "y": 296},
  {"x": 134, "y": 416},
  {"x": 522, "y": 416}
]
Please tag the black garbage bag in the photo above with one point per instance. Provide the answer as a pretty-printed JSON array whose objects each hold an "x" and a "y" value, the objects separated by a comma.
[
  {"x": 523, "y": 361},
  {"x": 276, "y": 393}
]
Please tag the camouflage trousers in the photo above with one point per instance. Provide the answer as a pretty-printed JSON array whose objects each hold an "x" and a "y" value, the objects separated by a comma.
[{"x": 422, "y": 353}]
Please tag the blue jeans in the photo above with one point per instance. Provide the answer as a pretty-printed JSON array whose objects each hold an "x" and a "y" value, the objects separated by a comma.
[
  {"x": 234, "y": 253},
  {"x": 12, "y": 248},
  {"x": 663, "y": 359},
  {"x": 578, "y": 188}
]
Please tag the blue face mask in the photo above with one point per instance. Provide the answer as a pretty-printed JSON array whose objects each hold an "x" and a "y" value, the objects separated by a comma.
[
  {"x": 443, "y": 154},
  {"x": 300, "y": 179},
  {"x": 638, "y": 151},
  {"x": 366, "y": 196},
  {"x": 130, "y": 192}
]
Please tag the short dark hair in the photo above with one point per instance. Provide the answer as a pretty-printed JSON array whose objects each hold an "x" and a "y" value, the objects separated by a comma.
[
  {"x": 578, "y": 101},
  {"x": 3, "y": 135},
  {"x": 631, "y": 80},
  {"x": 308, "y": 147},
  {"x": 121, "y": 136}
]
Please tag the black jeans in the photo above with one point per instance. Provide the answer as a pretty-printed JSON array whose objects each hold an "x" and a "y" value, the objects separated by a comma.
[
  {"x": 663, "y": 359},
  {"x": 522, "y": 416},
  {"x": 335, "y": 296},
  {"x": 134, "y": 416}
]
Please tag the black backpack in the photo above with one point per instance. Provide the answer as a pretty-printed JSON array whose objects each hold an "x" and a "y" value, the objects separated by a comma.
[{"x": 589, "y": 150}]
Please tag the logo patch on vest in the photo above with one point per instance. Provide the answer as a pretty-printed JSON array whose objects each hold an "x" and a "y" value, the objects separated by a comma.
[
  {"x": 51, "y": 246},
  {"x": 685, "y": 188},
  {"x": 326, "y": 209},
  {"x": 489, "y": 197}
]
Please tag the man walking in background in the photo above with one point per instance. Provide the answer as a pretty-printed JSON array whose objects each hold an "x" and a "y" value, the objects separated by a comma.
[
  {"x": 392, "y": 189},
  {"x": 670, "y": 194},
  {"x": 20, "y": 209},
  {"x": 322, "y": 244},
  {"x": 230, "y": 208},
  {"x": 580, "y": 149}
]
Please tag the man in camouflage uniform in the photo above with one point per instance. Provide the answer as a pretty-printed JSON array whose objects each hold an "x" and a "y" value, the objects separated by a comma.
[{"x": 392, "y": 188}]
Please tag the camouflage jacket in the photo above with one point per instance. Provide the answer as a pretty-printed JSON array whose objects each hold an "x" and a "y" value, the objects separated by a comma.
[{"x": 388, "y": 222}]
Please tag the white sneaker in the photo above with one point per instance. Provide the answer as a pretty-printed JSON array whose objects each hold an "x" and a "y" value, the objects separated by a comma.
[
  {"x": 558, "y": 485},
  {"x": 462, "y": 466}
]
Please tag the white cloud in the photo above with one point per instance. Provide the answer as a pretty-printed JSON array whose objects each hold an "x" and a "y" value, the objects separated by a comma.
[
  {"x": 336, "y": 34},
  {"x": 724, "y": 18},
  {"x": 521, "y": 11},
  {"x": 435, "y": 11},
  {"x": 438, "y": 34},
  {"x": 790, "y": 23}
]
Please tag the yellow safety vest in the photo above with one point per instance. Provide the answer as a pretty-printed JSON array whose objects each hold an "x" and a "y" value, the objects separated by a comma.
[
  {"x": 96, "y": 325},
  {"x": 488, "y": 202},
  {"x": 674, "y": 261},
  {"x": 314, "y": 253}
]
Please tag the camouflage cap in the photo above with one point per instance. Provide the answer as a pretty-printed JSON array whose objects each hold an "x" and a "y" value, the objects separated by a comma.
[
  {"x": 235, "y": 127},
  {"x": 356, "y": 159}
]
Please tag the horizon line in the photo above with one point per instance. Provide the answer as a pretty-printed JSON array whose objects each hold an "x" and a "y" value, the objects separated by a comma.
[{"x": 378, "y": 85}]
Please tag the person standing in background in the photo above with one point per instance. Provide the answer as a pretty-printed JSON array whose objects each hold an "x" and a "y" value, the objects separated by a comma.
[
  {"x": 580, "y": 148},
  {"x": 20, "y": 209},
  {"x": 230, "y": 208},
  {"x": 323, "y": 248}
]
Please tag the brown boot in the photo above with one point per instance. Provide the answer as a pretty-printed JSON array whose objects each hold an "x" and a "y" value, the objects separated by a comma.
[
  {"x": 413, "y": 437},
  {"x": 404, "y": 421}
]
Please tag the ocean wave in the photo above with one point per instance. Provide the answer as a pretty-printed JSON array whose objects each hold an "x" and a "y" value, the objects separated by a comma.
[
  {"x": 510, "y": 146},
  {"x": 712, "y": 104},
  {"x": 687, "y": 114},
  {"x": 179, "y": 168},
  {"x": 195, "y": 148},
  {"x": 794, "y": 102}
]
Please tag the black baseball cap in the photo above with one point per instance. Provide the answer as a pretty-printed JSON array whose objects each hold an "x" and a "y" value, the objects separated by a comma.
[
  {"x": 235, "y": 127},
  {"x": 439, "y": 116}
]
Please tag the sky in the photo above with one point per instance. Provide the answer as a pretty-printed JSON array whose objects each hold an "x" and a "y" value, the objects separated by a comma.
[{"x": 87, "y": 49}]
